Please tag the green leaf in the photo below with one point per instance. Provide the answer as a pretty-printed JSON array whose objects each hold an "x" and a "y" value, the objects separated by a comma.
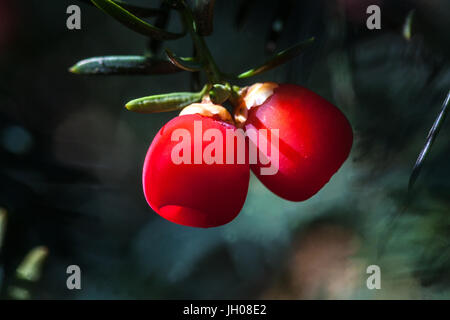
[
  {"x": 130, "y": 65},
  {"x": 134, "y": 23},
  {"x": 30, "y": 268},
  {"x": 188, "y": 64},
  {"x": 434, "y": 131},
  {"x": 279, "y": 58},
  {"x": 219, "y": 93},
  {"x": 164, "y": 102},
  {"x": 204, "y": 15},
  {"x": 139, "y": 11},
  {"x": 407, "y": 27},
  {"x": 143, "y": 12}
]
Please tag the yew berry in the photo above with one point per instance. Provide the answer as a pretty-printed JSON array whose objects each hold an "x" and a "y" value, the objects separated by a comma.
[
  {"x": 196, "y": 192},
  {"x": 315, "y": 137}
]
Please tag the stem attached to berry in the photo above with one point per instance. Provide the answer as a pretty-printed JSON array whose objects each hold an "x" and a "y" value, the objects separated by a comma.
[{"x": 212, "y": 71}]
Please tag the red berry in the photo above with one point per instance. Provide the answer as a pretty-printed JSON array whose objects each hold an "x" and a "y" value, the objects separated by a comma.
[
  {"x": 197, "y": 195},
  {"x": 315, "y": 138}
]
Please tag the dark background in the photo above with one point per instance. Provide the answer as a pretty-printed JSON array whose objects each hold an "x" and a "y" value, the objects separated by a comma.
[{"x": 71, "y": 158}]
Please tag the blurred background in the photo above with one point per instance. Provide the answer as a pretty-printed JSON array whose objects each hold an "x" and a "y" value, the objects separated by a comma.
[{"x": 71, "y": 158}]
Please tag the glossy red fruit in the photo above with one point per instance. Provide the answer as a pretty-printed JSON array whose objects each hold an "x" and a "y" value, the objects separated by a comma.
[
  {"x": 197, "y": 195},
  {"x": 315, "y": 138}
]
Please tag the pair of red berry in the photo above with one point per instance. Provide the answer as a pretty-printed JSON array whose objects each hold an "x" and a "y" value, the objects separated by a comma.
[{"x": 315, "y": 139}]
